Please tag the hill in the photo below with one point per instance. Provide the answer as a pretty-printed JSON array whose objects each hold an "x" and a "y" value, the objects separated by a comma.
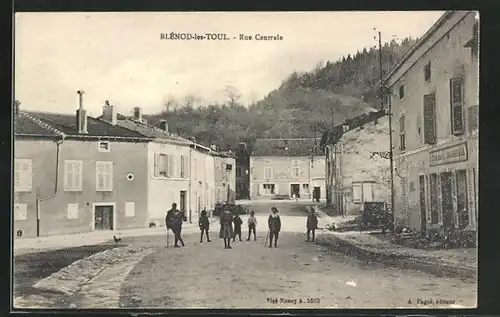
[{"x": 305, "y": 105}]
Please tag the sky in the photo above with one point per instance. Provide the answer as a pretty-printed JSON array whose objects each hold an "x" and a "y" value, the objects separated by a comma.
[{"x": 121, "y": 57}]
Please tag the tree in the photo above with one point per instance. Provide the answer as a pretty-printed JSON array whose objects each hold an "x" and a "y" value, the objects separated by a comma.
[
  {"x": 232, "y": 95},
  {"x": 170, "y": 104}
]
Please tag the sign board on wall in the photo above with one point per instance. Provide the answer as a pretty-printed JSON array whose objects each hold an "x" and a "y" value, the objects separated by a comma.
[{"x": 451, "y": 154}]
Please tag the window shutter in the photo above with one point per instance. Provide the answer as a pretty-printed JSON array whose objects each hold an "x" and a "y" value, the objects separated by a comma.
[
  {"x": 170, "y": 165},
  {"x": 28, "y": 175},
  {"x": 157, "y": 165},
  {"x": 109, "y": 174},
  {"x": 77, "y": 175},
  {"x": 17, "y": 174},
  {"x": 457, "y": 94},
  {"x": 472, "y": 118},
  {"x": 429, "y": 119},
  {"x": 68, "y": 179}
]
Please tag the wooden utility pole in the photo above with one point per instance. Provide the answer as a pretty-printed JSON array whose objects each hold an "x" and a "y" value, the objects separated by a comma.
[{"x": 381, "y": 70}]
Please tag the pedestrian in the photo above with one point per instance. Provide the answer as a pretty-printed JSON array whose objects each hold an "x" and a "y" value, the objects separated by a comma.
[
  {"x": 312, "y": 225},
  {"x": 274, "y": 223},
  {"x": 226, "y": 228},
  {"x": 252, "y": 224},
  {"x": 174, "y": 221},
  {"x": 237, "y": 227},
  {"x": 204, "y": 224}
]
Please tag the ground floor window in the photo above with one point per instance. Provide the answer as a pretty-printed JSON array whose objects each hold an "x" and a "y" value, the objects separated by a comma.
[
  {"x": 268, "y": 189},
  {"x": 433, "y": 191},
  {"x": 305, "y": 187},
  {"x": 462, "y": 210}
]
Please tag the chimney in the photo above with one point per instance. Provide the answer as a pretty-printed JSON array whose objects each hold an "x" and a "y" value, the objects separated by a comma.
[
  {"x": 243, "y": 147},
  {"x": 164, "y": 125},
  {"x": 17, "y": 103},
  {"x": 109, "y": 113},
  {"x": 213, "y": 147},
  {"x": 81, "y": 114},
  {"x": 137, "y": 114}
]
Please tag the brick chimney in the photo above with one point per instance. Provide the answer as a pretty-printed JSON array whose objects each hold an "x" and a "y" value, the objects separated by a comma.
[
  {"x": 137, "y": 114},
  {"x": 164, "y": 125},
  {"x": 109, "y": 113},
  {"x": 81, "y": 114}
]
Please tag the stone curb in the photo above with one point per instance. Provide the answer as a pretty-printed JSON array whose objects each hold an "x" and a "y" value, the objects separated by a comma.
[
  {"x": 398, "y": 260},
  {"x": 70, "y": 279}
]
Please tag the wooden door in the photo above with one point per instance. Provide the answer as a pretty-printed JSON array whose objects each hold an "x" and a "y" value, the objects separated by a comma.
[
  {"x": 423, "y": 210},
  {"x": 447, "y": 201},
  {"x": 103, "y": 218}
]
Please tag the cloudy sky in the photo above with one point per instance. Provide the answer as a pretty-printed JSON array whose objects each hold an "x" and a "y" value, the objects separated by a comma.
[{"x": 121, "y": 56}]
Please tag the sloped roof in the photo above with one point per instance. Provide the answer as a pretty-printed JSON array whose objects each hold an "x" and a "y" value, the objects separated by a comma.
[
  {"x": 147, "y": 130},
  {"x": 23, "y": 125},
  {"x": 66, "y": 124},
  {"x": 285, "y": 147}
]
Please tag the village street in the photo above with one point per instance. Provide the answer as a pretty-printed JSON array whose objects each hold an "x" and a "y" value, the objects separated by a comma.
[{"x": 294, "y": 275}]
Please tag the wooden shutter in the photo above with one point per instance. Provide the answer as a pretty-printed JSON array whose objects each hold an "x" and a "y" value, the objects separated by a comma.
[
  {"x": 156, "y": 163},
  {"x": 99, "y": 171},
  {"x": 109, "y": 176},
  {"x": 77, "y": 175},
  {"x": 68, "y": 175},
  {"x": 17, "y": 174},
  {"x": 170, "y": 165},
  {"x": 457, "y": 96},
  {"x": 430, "y": 119},
  {"x": 473, "y": 118}
]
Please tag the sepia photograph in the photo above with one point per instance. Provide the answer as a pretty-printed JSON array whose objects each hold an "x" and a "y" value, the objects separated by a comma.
[{"x": 240, "y": 160}]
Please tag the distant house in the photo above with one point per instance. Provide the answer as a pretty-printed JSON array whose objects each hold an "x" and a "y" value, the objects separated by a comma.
[
  {"x": 225, "y": 177},
  {"x": 287, "y": 168},
  {"x": 74, "y": 173},
  {"x": 242, "y": 172},
  {"x": 435, "y": 101}
]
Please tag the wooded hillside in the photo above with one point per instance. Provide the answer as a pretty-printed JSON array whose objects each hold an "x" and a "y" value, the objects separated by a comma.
[{"x": 304, "y": 105}]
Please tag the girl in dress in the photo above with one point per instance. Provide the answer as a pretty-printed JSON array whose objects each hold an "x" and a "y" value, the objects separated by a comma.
[{"x": 226, "y": 228}]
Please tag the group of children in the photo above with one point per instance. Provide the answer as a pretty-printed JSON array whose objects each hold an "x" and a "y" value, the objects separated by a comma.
[{"x": 228, "y": 232}]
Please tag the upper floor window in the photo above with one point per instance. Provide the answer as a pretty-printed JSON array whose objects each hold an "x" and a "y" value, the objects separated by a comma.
[
  {"x": 238, "y": 172},
  {"x": 427, "y": 71},
  {"x": 164, "y": 165},
  {"x": 268, "y": 172},
  {"x": 401, "y": 91},
  {"x": 73, "y": 171},
  {"x": 184, "y": 166},
  {"x": 104, "y": 146},
  {"x": 267, "y": 161},
  {"x": 22, "y": 175},
  {"x": 473, "y": 118},
  {"x": 104, "y": 176},
  {"x": 402, "y": 136},
  {"x": 430, "y": 119},
  {"x": 457, "y": 113}
]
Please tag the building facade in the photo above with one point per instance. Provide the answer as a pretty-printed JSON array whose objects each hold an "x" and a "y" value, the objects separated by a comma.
[
  {"x": 434, "y": 95},
  {"x": 287, "y": 168},
  {"x": 225, "y": 177},
  {"x": 71, "y": 178},
  {"x": 242, "y": 172}
]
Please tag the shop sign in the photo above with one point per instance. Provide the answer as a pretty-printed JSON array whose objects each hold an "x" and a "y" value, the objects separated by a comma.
[{"x": 452, "y": 154}]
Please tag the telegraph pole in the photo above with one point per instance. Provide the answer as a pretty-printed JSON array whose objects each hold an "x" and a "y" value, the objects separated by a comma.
[{"x": 383, "y": 92}]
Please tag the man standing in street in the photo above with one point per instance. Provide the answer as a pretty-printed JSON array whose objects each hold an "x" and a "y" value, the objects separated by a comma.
[
  {"x": 173, "y": 221},
  {"x": 274, "y": 223},
  {"x": 312, "y": 225}
]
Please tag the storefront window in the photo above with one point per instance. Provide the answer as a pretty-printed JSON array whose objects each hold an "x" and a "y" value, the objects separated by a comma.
[
  {"x": 433, "y": 191},
  {"x": 462, "y": 210}
]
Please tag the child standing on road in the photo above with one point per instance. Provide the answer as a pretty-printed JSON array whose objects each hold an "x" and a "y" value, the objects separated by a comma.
[
  {"x": 204, "y": 224},
  {"x": 237, "y": 226},
  {"x": 274, "y": 223},
  {"x": 226, "y": 228},
  {"x": 312, "y": 225},
  {"x": 252, "y": 223}
]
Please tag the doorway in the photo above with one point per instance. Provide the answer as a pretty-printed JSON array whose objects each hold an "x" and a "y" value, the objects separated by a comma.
[
  {"x": 447, "y": 201},
  {"x": 295, "y": 190},
  {"x": 103, "y": 217},
  {"x": 423, "y": 211},
  {"x": 182, "y": 203},
  {"x": 316, "y": 193}
]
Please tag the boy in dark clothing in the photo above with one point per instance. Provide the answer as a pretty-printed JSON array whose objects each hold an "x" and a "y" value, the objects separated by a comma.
[
  {"x": 237, "y": 227},
  {"x": 173, "y": 221},
  {"x": 312, "y": 224},
  {"x": 204, "y": 224},
  {"x": 274, "y": 223}
]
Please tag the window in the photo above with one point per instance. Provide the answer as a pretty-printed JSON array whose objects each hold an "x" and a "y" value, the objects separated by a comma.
[
  {"x": 72, "y": 211},
  {"x": 22, "y": 175},
  {"x": 402, "y": 136},
  {"x": 184, "y": 166},
  {"x": 268, "y": 172},
  {"x": 456, "y": 96},
  {"x": 268, "y": 161},
  {"x": 20, "y": 211},
  {"x": 104, "y": 176},
  {"x": 104, "y": 146},
  {"x": 433, "y": 191},
  {"x": 305, "y": 187},
  {"x": 427, "y": 71},
  {"x": 401, "y": 91},
  {"x": 295, "y": 162},
  {"x": 268, "y": 189},
  {"x": 357, "y": 195},
  {"x": 238, "y": 172},
  {"x": 367, "y": 191},
  {"x": 422, "y": 192},
  {"x": 161, "y": 165},
  {"x": 73, "y": 175},
  {"x": 129, "y": 209},
  {"x": 430, "y": 119},
  {"x": 473, "y": 118},
  {"x": 462, "y": 210},
  {"x": 295, "y": 171},
  {"x": 475, "y": 41},
  {"x": 172, "y": 171}
]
